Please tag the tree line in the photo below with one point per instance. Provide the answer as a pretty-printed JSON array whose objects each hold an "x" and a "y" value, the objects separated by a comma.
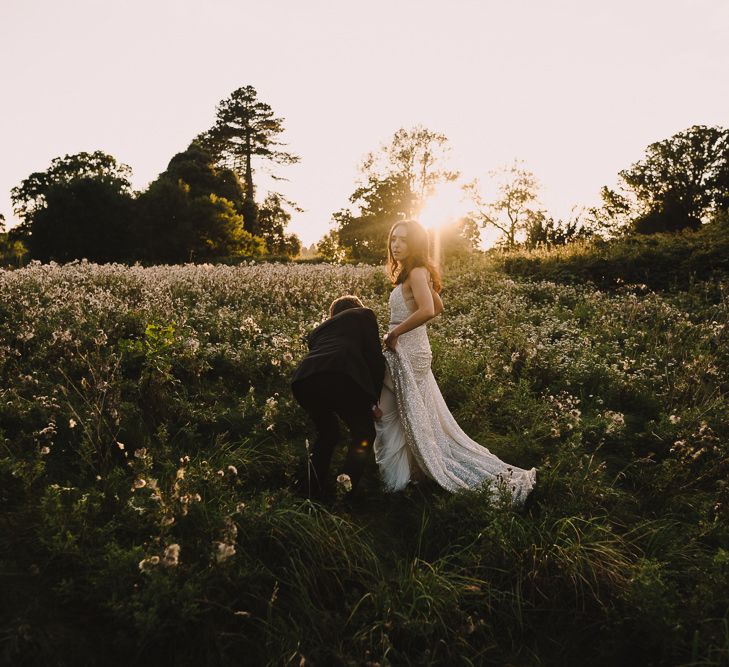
[
  {"x": 681, "y": 183},
  {"x": 205, "y": 207}
]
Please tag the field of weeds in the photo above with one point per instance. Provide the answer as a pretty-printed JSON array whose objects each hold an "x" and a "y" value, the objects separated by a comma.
[{"x": 148, "y": 441}]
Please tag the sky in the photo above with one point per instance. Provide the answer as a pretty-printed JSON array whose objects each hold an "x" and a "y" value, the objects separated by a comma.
[{"x": 575, "y": 89}]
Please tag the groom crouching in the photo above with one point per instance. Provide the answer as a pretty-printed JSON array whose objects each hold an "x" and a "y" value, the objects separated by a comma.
[{"x": 342, "y": 374}]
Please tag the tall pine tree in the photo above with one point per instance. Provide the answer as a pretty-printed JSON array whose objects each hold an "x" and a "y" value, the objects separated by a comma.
[{"x": 246, "y": 129}]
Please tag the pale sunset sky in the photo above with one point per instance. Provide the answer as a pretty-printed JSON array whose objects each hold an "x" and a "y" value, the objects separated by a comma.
[{"x": 575, "y": 89}]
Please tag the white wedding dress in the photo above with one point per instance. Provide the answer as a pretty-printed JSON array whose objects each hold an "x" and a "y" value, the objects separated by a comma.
[{"x": 417, "y": 430}]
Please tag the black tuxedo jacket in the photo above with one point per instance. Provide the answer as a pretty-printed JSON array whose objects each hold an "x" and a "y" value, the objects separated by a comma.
[{"x": 348, "y": 343}]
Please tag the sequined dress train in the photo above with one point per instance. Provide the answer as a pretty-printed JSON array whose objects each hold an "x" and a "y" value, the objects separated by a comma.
[{"x": 417, "y": 429}]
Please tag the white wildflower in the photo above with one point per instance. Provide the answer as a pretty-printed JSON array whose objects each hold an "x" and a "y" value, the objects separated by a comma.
[
  {"x": 148, "y": 564},
  {"x": 171, "y": 556},
  {"x": 223, "y": 551},
  {"x": 345, "y": 481}
]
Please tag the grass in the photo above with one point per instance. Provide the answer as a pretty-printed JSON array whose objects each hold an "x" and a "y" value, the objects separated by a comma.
[{"x": 143, "y": 408}]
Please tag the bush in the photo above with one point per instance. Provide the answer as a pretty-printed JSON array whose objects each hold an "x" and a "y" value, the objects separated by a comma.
[{"x": 662, "y": 261}]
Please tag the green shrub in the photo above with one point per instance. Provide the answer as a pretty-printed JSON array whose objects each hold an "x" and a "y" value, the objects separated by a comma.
[{"x": 660, "y": 261}]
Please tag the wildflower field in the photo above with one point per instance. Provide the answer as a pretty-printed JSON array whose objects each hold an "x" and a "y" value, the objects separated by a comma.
[{"x": 148, "y": 442}]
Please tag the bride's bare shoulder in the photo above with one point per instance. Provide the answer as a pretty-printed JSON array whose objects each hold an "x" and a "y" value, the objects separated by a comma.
[
  {"x": 419, "y": 273},
  {"x": 418, "y": 277}
]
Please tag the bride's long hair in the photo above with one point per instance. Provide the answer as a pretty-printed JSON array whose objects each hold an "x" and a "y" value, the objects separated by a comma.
[{"x": 418, "y": 254}]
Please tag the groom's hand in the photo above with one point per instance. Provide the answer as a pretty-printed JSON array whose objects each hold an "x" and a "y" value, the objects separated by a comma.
[{"x": 376, "y": 412}]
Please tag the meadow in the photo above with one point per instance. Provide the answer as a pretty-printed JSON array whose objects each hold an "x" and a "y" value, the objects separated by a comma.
[{"x": 148, "y": 442}]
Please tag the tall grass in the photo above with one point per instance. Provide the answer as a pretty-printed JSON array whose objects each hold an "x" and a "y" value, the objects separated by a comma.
[{"x": 148, "y": 441}]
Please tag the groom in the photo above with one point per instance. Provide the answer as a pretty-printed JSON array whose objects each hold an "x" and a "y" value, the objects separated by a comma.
[{"x": 342, "y": 374}]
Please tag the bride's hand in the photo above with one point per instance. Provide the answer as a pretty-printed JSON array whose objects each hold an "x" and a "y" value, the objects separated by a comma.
[{"x": 390, "y": 341}]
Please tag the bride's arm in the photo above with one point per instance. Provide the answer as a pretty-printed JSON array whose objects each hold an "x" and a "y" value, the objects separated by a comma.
[{"x": 424, "y": 301}]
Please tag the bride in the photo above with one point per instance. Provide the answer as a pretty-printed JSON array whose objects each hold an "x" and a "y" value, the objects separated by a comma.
[{"x": 416, "y": 434}]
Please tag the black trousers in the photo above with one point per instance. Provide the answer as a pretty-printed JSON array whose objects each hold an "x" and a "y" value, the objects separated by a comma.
[{"x": 324, "y": 396}]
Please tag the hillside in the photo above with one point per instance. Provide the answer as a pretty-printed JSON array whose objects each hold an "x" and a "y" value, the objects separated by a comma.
[{"x": 149, "y": 440}]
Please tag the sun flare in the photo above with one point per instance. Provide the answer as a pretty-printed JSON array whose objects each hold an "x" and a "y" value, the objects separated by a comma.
[{"x": 444, "y": 206}]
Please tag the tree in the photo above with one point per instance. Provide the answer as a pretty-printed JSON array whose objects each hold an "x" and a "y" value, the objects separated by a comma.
[
  {"x": 417, "y": 156},
  {"x": 515, "y": 206},
  {"x": 166, "y": 227},
  {"x": 83, "y": 219},
  {"x": 11, "y": 250},
  {"x": 245, "y": 129},
  {"x": 177, "y": 227},
  {"x": 545, "y": 232},
  {"x": 193, "y": 212},
  {"x": 329, "y": 249},
  {"x": 81, "y": 207},
  {"x": 381, "y": 204},
  {"x": 394, "y": 182},
  {"x": 196, "y": 167},
  {"x": 30, "y": 196},
  {"x": 458, "y": 238},
  {"x": 224, "y": 233},
  {"x": 271, "y": 227},
  {"x": 679, "y": 184},
  {"x": 613, "y": 218},
  {"x": 310, "y": 252}
]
